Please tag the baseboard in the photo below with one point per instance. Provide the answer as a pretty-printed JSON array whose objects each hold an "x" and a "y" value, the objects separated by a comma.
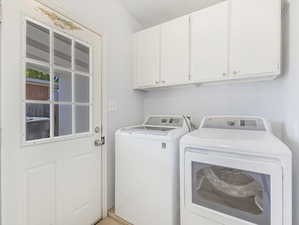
[{"x": 111, "y": 214}]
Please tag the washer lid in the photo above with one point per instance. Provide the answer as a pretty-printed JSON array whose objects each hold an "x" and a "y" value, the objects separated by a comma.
[
  {"x": 152, "y": 130},
  {"x": 157, "y": 127}
]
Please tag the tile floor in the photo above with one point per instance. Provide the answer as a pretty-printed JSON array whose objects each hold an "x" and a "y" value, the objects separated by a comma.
[{"x": 108, "y": 221}]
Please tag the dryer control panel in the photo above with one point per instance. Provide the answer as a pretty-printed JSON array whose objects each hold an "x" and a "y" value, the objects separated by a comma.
[
  {"x": 239, "y": 123},
  {"x": 164, "y": 121}
]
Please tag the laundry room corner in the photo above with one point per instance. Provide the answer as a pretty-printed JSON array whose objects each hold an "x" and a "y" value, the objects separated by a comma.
[
  {"x": 276, "y": 100},
  {"x": 144, "y": 112},
  {"x": 291, "y": 92}
]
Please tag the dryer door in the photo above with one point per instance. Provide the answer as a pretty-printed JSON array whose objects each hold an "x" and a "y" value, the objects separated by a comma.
[{"x": 233, "y": 190}]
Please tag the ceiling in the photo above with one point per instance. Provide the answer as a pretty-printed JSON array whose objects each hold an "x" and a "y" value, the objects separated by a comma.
[{"x": 153, "y": 12}]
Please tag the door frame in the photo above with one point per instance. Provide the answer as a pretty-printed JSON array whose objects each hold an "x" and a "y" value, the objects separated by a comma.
[{"x": 54, "y": 6}]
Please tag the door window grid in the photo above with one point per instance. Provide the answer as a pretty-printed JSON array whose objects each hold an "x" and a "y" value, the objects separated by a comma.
[{"x": 72, "y": 72}]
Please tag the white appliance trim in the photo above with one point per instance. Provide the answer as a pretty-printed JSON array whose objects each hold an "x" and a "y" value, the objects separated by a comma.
[{"x": 270, "y": 168}]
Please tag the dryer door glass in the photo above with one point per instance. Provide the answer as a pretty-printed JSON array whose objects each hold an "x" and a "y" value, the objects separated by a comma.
[{"x": 238, "y": 193}]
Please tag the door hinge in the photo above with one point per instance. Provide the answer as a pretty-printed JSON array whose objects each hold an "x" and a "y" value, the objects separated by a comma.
[
  {"x": 99, "y": 142},
  {"x": 103, "y": 140}
]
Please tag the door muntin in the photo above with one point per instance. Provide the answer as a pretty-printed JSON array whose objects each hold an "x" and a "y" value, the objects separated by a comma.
[{"x": 58, "y": 85}]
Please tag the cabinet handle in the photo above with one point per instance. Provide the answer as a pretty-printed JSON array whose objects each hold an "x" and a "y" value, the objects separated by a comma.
[
  {"x": 163, "y": 81},
  {"x": 224, "y": 74},
  {"x": 157, "y": 82}
]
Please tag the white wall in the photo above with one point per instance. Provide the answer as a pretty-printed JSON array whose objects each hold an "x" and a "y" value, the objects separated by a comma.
[
  {"x": 276, "y": 100},
  {"x": 262, "y": 98},
  {"x": 291, "y": 96}
]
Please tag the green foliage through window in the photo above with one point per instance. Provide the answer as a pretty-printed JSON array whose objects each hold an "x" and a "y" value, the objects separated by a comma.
[{"x": 34, "y": 74}]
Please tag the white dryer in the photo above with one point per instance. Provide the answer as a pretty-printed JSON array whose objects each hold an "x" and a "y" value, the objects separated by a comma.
[
  {"x": 234, "y": 171},
  {"x": 147, "y": 171}
]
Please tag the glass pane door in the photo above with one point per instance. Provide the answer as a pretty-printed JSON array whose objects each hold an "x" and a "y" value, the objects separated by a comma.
[
  {"x": 58, "y": 84},
  {"x": 239, "y": 193}
]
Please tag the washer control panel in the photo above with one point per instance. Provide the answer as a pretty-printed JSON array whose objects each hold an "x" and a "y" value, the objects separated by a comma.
[
  {"x": 239, "y": 123},
  {"x": 164, "y": 121}
]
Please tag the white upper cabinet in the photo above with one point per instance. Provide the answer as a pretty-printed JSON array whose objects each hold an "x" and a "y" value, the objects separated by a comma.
[
  {"x": 175, "y": 51},
  {"x": 255, "y": 37},
  {"x": 147, "y": 57},
  {"x": 209, "y": 43},
  {"x": 230, "y": 41}
]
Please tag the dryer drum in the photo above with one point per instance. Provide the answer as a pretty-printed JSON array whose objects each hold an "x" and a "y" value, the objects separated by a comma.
[{"x": 230, "y": 187}]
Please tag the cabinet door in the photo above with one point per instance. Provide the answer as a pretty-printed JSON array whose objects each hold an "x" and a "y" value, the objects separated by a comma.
[
  {"x": 255, "y": 37},
  {"x": 147, "y": 57},
  {"x": 209, "y": 43},
  {"x": 175, "y": 51}
]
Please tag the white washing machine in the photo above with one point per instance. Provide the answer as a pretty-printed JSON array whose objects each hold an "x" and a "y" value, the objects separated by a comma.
[
  {"x": 234, "y": 171},
  {"x": 147, "y": 171}
]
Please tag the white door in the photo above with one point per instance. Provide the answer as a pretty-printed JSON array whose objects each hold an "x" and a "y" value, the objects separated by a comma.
[
  {"x": 255, "y": 37},
  {"x": 175, "y": 51},
  {"x": 147, "y": 57},
  {"x": 57, "y": 164},
  {"x": 209, "y": 43},
  {"x": 232, "y": 189}
]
